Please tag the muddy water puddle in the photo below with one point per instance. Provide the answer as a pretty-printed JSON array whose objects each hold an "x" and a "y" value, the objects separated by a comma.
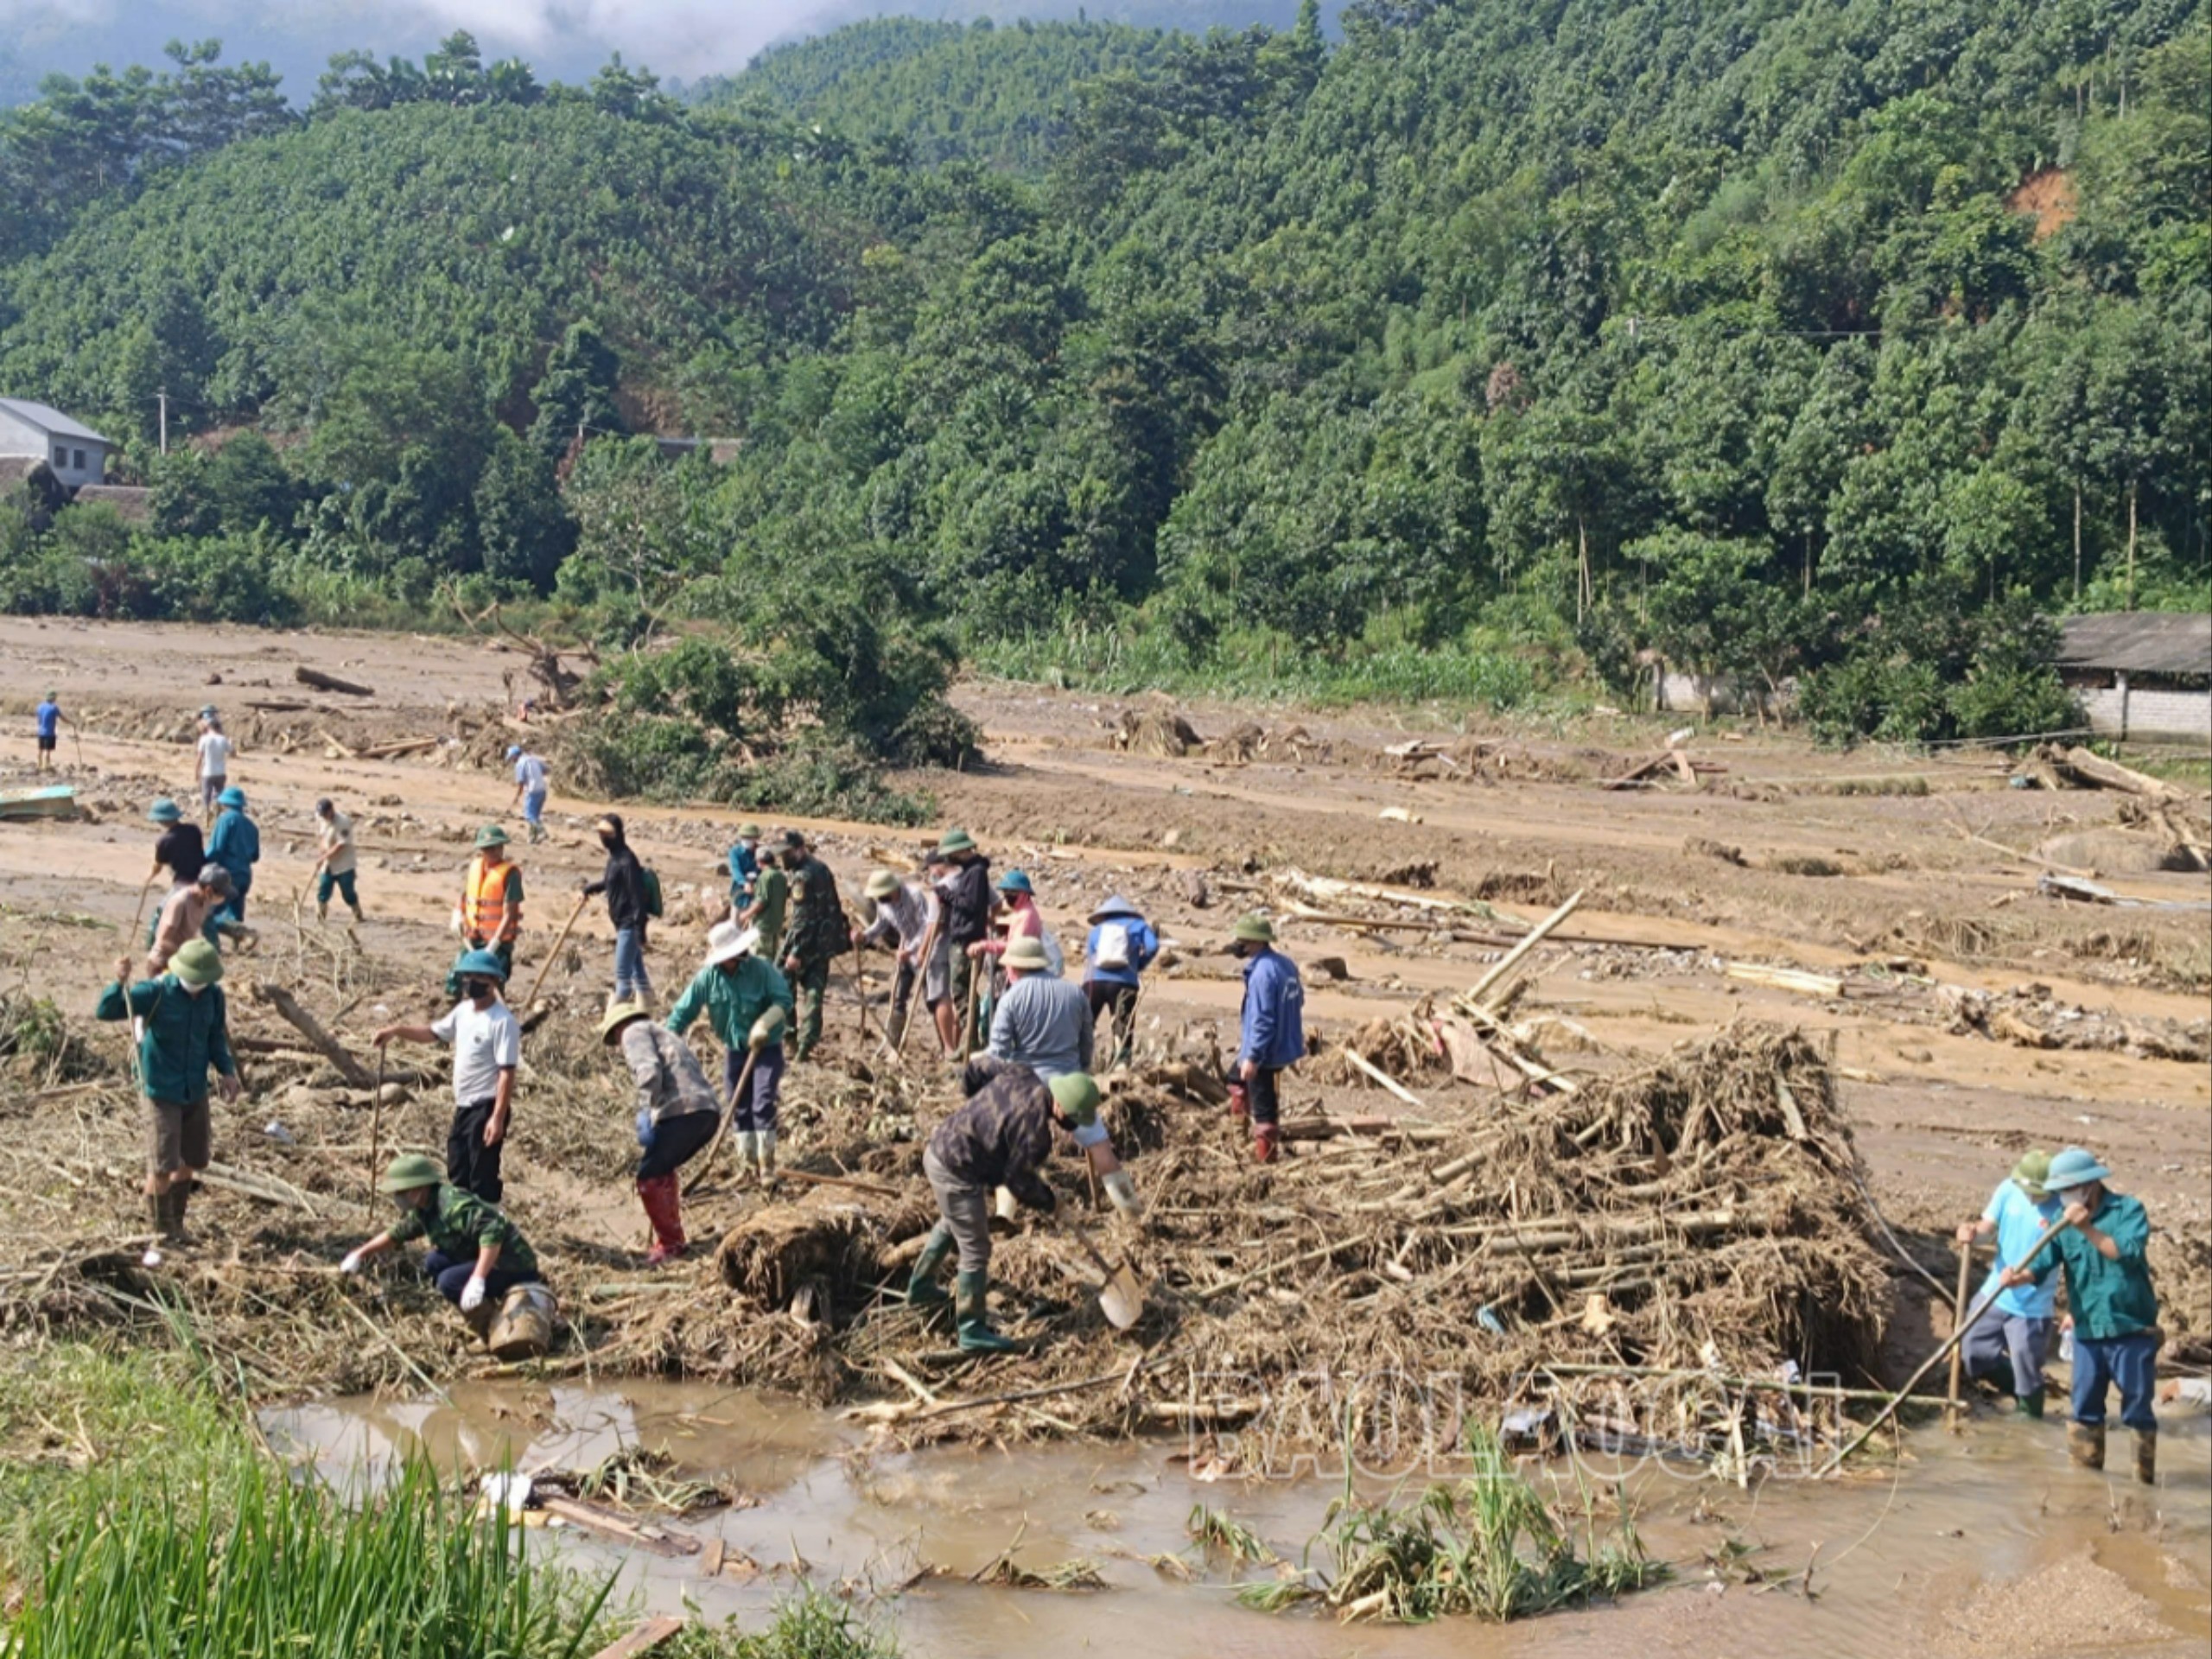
[{"x": 1985, "y": 1543}]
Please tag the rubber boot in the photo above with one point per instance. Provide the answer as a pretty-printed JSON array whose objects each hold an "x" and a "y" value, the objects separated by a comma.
[
  {"x": 662, "y": 1195},
  {"x": 2086, "y": 1441},
  {"x": 922, "y": 1287},
  {"x": 179, "y": 1195},
  {"x": 746, "y": 1138},
  {"x": 972, "y": 1302},
  {"x": 1264, "y": 1137},
  {"x": 2032, "y": 1405},
  {"x": 2146, "y": 1456},
  {"x": 157, "y": 1215},
  {"x": 1240, "y": 1107},
  {"x": 764, "y": 1154}
]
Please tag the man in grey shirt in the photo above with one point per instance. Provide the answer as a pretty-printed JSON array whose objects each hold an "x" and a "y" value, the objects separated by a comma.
[{"x": 1042, "y": 1022}]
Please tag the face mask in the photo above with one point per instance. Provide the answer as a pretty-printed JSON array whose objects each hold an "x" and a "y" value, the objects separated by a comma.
[
  {"x": 476, "y": 990},
  {"x": 190, "y": 990}
]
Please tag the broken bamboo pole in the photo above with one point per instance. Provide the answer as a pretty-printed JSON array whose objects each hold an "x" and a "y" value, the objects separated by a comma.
[{"x": 1506, "y": 965}]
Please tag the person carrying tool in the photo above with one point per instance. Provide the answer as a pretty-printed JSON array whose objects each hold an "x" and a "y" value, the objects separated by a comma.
[
  {"x": 178, "y": 849},
  {"x": 50, "y": 721},
  {"x": 336, "y": 860},
  {"x": 1021, "y": 919},
  {"x": 677, "y": 1114},
  {"x": 2111, "y": 1302},
  {"x": 489, "y": 915},
  {"x": 1041, "y": 1021},
  {"x": 2008, "y": 1344},
  {"x": 189, "y": 912},
  {"x": 235, "y": 843},
  {"x": 1002, "y": 1137},
  {"x": 964, "y": 890},
  {"x": 628, "y": 909},
  {"x": 487, "y": 1042},
  {"x": 213, "y": 759},
  {"x": 906, "y": 919},
  {"x": 476, "y": 1254},
  {"x": 1120, "y": 946},
  {"x": 744, "y": 863},
  {"x": 818, "y": 935},
  {"x": 185, "y": 1034},
  {"x": 1272, "y": 1027},
  {"x": 772, "y": 892},
  {"x": 531, "y": 784},
  {"x": 747, "y": 1001}
]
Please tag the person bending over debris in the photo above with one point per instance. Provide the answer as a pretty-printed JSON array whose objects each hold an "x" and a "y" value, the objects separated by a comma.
[
  {"x": 186, "y": 1034},
  {"x": 235, "y": 843},
  {"x": 476, "y": 1254},
  {"x": 818, "y": 935},
  {"x": 2111, "y": 1301},
  {"x": 179, "y": 849},
  {"x": 1002, "y": 1137},
  {"x": 489, "y": 915},
  {"x": 628, "y": 908},
  {"x": 530, "y": 784},
  {"x": 189, "y": 912},
  {"x": 678, "y": 1114},
  {"x": 336, "y": 861},
  {"x": 1042, "y": 1022},
  {"x": 2008, "y": 1344},
  {"x": 1120, "y": 946},
  {"x": 50, "y": 719},
  {"x": 747, "y": 1001},
  {"x": 1273, "y": 1026},
  {"x": 906, "y": 914},
  {"x": 965, "y": 892},
  {"x": 487, "y": 1042}
]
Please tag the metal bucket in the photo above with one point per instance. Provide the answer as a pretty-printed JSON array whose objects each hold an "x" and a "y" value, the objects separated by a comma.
[{"x": 524, "y": 1329}]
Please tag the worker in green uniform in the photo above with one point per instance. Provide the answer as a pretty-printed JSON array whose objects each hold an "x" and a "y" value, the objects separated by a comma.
[
  {"x": 764, "y": 912},
  {"x": 817, "y": 936},
  {"x": 476, "y": 1254}
]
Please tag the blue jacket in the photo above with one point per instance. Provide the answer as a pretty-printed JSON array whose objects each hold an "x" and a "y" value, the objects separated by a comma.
[
  {"x": 1274, "y": 1019},
  {"x": 744, "y": 869},
  {"x": 235, "y": 847},
  {"x": 1144, "y": 945}
]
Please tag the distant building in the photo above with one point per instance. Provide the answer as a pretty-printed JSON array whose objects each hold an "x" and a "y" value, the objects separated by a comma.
[
  {"x": 2140, "y": 674},
  {"x": 76, "y": 452}
]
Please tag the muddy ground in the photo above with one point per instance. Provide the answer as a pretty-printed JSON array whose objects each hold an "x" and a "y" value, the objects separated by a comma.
[{"x": 1864, "y": 866}]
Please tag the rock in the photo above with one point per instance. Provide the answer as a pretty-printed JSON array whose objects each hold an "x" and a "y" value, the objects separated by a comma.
[
  {"x": 1195, "y": 888},
  {"x": 1172, "y": 838},
  {"x": 394, "y": 1094}
]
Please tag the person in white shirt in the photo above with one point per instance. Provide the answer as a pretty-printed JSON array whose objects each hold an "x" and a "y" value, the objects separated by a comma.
[
  {"x": 487, "y": 1042},
  {"x": 214, "y": 761},
  {"x": 335, "y": 862},
  {"x": 531, "y": 784}
]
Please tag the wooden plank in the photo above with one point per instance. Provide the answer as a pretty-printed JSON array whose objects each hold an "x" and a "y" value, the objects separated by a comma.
[
  {"x": 1512, "y": 959},
  {"x": 596, "y": 1517},
  {"x": 1383, "y": 1078},
  {"x": 644, "y": 1639},
  {"x": 322, "y": 681},
  {"x": 1785, "y": 979}
]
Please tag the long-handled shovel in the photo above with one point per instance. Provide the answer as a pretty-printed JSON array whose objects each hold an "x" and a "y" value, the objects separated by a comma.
[
  {"x": 729, "y": 1116},
  {"x": 1959, "y": 1323},
  {"x": 1121, "y": 1298},
  {"x": 376, "y": 1127},
  {"x": 921, "y": 990},
  {"x": 560, "y": 939},
  {"x": 1957, "y": 1335}
]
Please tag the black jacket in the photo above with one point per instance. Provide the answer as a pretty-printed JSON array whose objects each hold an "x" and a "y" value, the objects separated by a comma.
[
  {"x": 623, "y": 881},
  {"x": 183, "y": 850},
  {"x": 1003, "y": 1135},
  {"x": 967, "y": 903}
]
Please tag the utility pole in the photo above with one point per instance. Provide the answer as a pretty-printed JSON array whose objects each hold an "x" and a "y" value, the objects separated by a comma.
[{"x": 164, "y": 396}]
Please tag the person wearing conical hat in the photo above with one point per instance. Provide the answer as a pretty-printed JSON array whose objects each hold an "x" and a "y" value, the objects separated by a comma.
[
  {"x": 185, "y": 1034},
  {"x": 476, "y": 1256},
  {"x": 489, "y": 915},
  {"x": 1271, "y": 1030},
  {"x": 677, "y": 1114},
  {"x": 2008, "y": 1344},
  {"x": 747, "y": 1001},
  {"x": 1120, "y": 947},
  {"x": 487, "y": 1042}
]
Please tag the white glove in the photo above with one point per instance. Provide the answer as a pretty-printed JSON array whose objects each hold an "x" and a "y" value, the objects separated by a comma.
[
  {"x": 1090, "y": 1134},
  {"x": 352, "y": 1263},
  {"x": 1123, "y": 1192},
  {"x": 472, "y": 1295}
]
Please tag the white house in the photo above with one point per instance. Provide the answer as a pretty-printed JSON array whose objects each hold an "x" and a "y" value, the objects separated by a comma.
[
  {"x": 77, "y": 453},
  {"x": 2140, "y": 674}
]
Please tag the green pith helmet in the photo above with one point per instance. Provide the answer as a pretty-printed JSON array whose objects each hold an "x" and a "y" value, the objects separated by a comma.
[
  {"x": 882, "y": 884},
  {"x": 490, "y": 835},
  {"x": 1255, "y": 929},
  {"x": 196, "y": 962},
  {"x": 749, "y": 832},
  {"x": 164, "y": 811},
  {"x": 1076, "y": 1095},
  {"x": 955, "y": 841},
  {"x": 404, "y": 1175},
  {"x": 2032, "y": 1171},
  {"x": 611, "y": 1023}
]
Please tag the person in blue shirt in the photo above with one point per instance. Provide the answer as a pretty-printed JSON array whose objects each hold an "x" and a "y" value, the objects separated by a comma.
[
  {"x": 744, "y": 868},
  {"x": 1120, "y": 946},
  {"x": 49, "y": 717},
  {"x": 531, "y": 782},
  {"x": 234, "y": 845},
  {"x": 1273, "y": 1032},
  {"x": 2008, "y": 1342}
]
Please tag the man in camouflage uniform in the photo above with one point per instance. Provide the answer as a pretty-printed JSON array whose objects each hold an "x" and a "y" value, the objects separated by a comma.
[{"x": 818, "y": 934}]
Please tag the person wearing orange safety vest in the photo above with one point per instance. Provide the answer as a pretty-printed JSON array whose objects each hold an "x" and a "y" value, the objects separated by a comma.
[{"x": 489, "y": 915}]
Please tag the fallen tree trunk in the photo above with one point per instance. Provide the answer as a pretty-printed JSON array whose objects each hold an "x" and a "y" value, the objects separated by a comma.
[
  {"x": 2101, "y": 774},
  {"x": 309, "y": 1027},
  {"x": 322, "y": 681}
]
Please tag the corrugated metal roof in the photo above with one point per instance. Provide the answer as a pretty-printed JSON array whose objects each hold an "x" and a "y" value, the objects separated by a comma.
[
  {"x": 2138, "y": 642},
  {"x": 53, "y": 421}
]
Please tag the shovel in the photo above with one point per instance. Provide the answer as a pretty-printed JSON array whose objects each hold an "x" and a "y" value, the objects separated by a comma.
[{"x": 1120, "y": 1299}]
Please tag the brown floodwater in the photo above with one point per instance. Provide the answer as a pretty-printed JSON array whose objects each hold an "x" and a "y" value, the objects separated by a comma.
[{"x": 1985, "y": 1542}]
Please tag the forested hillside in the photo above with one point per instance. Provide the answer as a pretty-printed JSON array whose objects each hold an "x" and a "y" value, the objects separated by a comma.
[{"x": 1494, "y": 346}]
